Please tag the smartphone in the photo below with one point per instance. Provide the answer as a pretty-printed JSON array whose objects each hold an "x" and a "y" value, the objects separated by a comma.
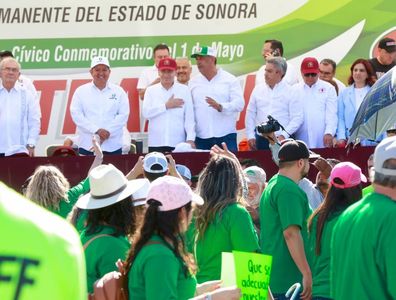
[{"x": 276, "y": 52}]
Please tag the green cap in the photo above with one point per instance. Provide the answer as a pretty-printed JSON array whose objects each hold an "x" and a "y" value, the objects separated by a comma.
[{"x": 204, "y": 51}]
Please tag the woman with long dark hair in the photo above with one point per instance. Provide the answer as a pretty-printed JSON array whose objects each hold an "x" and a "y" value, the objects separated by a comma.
[
  {"x": 222, "y": 224},
  {"x": 158, "y": 265},
  {"x": 361, "y": 79},
  {"x": 110, "y": 220},
  {"x": 345, "y": 189}
]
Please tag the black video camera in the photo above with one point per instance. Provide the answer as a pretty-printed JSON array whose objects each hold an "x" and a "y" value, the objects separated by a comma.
[{"x": 271, "y": 125}]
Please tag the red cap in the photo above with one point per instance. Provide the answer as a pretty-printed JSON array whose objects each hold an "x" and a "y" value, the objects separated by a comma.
[
  {"x": 310, "y": 65},
  {"x": 64, "y": 151},
  {"x": 167, "y": 64}
]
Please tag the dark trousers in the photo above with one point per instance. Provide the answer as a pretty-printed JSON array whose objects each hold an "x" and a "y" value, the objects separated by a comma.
[
  {"x": 229, "y": 139},
  {"x": 261, "y": 142},
  {"x": 82, "y": 151},
  {"x": 162, "y": 149}
]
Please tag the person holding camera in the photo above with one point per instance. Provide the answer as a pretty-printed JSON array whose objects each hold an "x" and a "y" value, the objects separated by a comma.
[{"x": 274, "y": 98}]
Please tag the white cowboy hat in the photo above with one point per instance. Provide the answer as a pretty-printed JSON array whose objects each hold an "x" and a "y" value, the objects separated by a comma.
[{"x": 108, "y": 186}]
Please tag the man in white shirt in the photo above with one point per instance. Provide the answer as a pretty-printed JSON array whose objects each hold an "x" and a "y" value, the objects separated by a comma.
[
  {"x": 168, "y": 107},
  {"x": 102, "y": 108},
  {"x": 274, "y": 48},
  {"x": 183, "y": 70},
  {"x": 19, "y": 111},
  {"x": 319, "y": 100},
  {"x": 149, "y": 76},
  {"x": 275, "y": 98},
  {"x": 217, "y": 99},
  {"x": 23, "y": 81},
  {"x": 327, "y": 71}
]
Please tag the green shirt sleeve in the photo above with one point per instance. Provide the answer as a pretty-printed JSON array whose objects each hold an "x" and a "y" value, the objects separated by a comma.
[
  {"x": 73, "y": 194},
  {"x": 161, "y": 284},
  {"x": 76, "y": 191},
  {"x": 291, "y": 209}
]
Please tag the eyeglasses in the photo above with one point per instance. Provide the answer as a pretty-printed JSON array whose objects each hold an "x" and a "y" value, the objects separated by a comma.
[
  {"x": 310, "y": 75},
  {"x": 13, "y": 70}
]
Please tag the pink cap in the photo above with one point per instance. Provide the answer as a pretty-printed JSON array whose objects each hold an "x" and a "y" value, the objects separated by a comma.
[
  {"x": 172, "y": 192},
  {"x": 349, "y": 173}
]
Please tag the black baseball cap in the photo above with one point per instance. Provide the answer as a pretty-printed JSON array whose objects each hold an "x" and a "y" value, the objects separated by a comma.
[
  {"x": 388, "y": 44},
  {"x": 293, "y": 150}
]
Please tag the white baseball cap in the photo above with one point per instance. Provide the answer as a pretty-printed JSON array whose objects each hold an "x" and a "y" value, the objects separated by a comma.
[
  {"x": 99, "y": 60},
  {"x": 384, "y": 151},
  {"x": 184, "y": 171},
  {"x": 255, "y": 174},
  {"x": 139, "y": 197},
  {"x": 205, "y": 51},
  {"x": 155, "y": 158}
]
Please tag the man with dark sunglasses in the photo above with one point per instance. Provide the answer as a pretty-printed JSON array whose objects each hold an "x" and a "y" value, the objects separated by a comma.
[{"x": 319, "y": 100}]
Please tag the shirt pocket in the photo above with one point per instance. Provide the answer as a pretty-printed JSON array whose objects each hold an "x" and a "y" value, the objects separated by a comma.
[{"x": 112, "y": 104}]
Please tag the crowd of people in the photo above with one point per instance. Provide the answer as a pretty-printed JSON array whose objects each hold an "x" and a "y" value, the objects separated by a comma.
[
  {"x": 165, "y": 234},
  {"x": 201, "y": 110}
]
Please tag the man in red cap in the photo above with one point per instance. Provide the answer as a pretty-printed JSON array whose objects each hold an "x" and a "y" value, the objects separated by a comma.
[
  {"x": 168, "y": 107},
  {"x": 319, "y": 99}
]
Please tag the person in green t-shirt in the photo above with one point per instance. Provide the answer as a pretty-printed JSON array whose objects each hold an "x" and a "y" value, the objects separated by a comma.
[
  {"x": 40, "y": 254},
  {"x": 110, "y": 220},
  {"x": 363, "y": 246},
  {"x": 345, "y": 189},
  {"x": 222, "y": 224},
  {"x": 49, "y": 188},
  {"x": 284, "y": 211},
  {"x": 158, "y": 265}
]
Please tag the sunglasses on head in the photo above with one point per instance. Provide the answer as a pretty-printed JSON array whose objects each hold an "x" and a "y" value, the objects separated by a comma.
[{"x": 310, "y": 75}]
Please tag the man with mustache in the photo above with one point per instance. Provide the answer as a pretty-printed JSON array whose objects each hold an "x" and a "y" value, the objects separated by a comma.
[{"x": 183, "y": 70}]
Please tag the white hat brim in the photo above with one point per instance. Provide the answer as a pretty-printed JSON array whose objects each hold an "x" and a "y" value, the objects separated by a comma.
[
  {"x": 197, "y": 199},
  {"x": 89, "y": 202}
]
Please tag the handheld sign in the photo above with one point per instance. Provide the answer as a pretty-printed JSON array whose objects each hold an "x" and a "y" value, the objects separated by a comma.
[
  {"x": 252, "y": 272},
  {"x": 228, "y": 269}
]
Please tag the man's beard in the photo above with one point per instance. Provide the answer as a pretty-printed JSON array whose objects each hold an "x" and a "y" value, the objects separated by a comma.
[
  {"x": 255, "y": 201},
  {"x": 303, "y": 174}
]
